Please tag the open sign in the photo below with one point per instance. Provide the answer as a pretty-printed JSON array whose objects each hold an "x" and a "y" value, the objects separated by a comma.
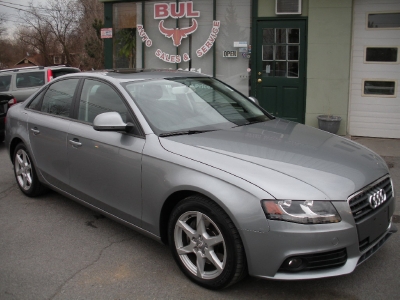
[{"x": 229, "y": 53}]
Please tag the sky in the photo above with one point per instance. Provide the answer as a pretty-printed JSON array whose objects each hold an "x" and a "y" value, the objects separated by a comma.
[{"x": 11, "y": 8}]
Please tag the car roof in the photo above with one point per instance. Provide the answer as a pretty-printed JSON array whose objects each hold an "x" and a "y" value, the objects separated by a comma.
[{"x": 124, "y": 75}]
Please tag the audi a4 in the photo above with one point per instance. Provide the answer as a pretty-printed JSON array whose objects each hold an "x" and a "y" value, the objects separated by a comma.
[{"x": 189, "y": 161}]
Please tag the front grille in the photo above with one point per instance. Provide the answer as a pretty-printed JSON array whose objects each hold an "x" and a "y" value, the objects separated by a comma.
[
  {"x": 324, "y": 260},
  {"x": 359, "y": 204}
]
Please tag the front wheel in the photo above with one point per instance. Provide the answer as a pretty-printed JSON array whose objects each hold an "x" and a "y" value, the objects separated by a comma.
[
  {"x": 206, "y": 244},
  {"x": 25, "y": 173}
]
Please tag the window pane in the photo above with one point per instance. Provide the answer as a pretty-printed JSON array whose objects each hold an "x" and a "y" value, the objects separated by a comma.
[
  {"x": 268, "y": 52},
  {"x": 379, "y": 87},
  {"x": 280, "y": 53},
  {"x": 293, "y": 52},
  {"x": 97, "y": 98},
  {"x": 293, "y": 69},
  {"x": 281, "y": 36},
  {"x": 294, "y": 36},
  {"x": 35, "y": 103},
  {"x": 30, "y": 79},
  {"x": 384, "y": 20},
  {"x": 5, "y": 82},
  {"x": 268, "y": 36},
  {"x": 58, "y": 98},
  {"x": 280, "y": 69},
  {"x": 381, "y": 54}
]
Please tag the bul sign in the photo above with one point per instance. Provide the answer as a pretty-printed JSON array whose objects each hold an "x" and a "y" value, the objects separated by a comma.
[{"x": 179, "y": 10}]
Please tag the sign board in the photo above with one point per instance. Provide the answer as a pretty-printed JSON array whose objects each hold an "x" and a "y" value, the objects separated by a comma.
[
  {"x": 229, "y": 53},
  {"x": 240, "y": 44},
  {"x": 106, "y": 33}
]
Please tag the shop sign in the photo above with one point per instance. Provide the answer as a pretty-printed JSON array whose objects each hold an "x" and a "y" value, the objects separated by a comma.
[
  {"x": 179, "y": 10},
  {"x": 106, "y": 33}
]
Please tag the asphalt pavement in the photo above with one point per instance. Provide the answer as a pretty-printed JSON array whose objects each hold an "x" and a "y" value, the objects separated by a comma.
[{"x": 54, "y": 248}]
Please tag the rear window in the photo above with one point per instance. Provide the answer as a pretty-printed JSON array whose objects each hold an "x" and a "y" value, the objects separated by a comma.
[
  {"x": 58, "y": 73},
  {"x": 5, "y": 82},
  {"x": 30, "y": 79}
]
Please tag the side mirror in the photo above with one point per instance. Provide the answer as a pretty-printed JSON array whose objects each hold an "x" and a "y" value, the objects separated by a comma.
[
  {"x": 254, "y": 100},
  {"x": 111, "y": 121}
]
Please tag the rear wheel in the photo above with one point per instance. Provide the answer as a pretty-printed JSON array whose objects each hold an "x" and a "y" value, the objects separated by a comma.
[
  {"x": 206, "y": 244},
  {"x": 25, "y": 173}
]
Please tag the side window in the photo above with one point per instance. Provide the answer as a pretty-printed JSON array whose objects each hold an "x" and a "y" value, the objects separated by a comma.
[
  {"x": 35, "y": 103},
  {"x": 5, "y": 82},
  {"x": 58, "y": 98},
  {"x": 97, "y": 98},
  {"x": 30, "y": 79}
]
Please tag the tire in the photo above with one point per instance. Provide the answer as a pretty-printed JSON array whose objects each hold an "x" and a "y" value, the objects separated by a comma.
[
  {"x": 25, "y": 173},
  {"x": 206, "y": 244}
]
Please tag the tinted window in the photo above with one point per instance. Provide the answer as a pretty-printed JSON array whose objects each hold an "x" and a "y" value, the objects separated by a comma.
[
  {"x": 381, "y": 54},
  {"x": 58, "y": 98},
  {"x": 5, "y": 82},
  {"x": 97, "y": 98},
  {"x": 35, "y": 103},
  {"x": 30, "y": 79}
]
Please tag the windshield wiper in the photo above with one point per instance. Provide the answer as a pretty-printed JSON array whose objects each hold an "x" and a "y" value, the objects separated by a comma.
[
  {"x": 248, "y": 123},
  {"x": 186, "y": 132}
]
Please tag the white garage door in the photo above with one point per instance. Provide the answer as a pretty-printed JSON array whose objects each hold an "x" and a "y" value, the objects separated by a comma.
[{"x": 375, "y": 71}]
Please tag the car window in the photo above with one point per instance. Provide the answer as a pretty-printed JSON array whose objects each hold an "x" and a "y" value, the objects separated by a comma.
[
  {"x": 35, "y": 103},
  {"x": 5, "y": 82},
  {"x": 58, "y": 98},
  {"x": 180, "y": 104},
  {"x": 30, "y": 79},
  {"x": 97, "y": 98}
]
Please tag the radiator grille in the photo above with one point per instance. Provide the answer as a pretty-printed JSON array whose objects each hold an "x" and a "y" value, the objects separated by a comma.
[{"x": 359, "y": 204}]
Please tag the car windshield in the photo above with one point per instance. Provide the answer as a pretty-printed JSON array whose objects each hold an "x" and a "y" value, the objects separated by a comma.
[{"x": 192, "y": 105}]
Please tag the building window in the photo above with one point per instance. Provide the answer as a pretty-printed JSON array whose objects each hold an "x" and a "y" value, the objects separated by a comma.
[
  {"x": 381, "y": 54},
  {"x": 383, "y": 20},
  {"x": 124, "y": 19},
  {"x": 379, "y": 87}
]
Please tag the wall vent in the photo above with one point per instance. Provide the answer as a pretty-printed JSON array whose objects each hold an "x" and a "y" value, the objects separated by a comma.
[{"x": 288, "y": 7}]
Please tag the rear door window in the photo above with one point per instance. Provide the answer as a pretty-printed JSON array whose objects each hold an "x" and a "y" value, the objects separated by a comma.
[
  {"x": 61, "y": 72},
  {"x": 59, "y": 96},
  {"x": 5, "y": 82},
  {"x": 30, "y": 79}
]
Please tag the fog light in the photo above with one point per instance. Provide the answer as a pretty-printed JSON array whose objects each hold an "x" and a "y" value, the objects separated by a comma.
[{"x": 294, "y": 263}]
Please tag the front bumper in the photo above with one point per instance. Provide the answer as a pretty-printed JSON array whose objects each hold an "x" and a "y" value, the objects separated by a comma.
[{"x": 266, "y": 252}]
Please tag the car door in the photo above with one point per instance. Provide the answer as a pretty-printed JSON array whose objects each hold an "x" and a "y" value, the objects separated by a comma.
[
  {"x": 105, "y": 167},
  {"x": 48, "y": 122}
]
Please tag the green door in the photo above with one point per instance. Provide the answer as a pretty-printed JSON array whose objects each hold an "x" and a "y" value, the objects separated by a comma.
[{"x": 280, "y": 69}]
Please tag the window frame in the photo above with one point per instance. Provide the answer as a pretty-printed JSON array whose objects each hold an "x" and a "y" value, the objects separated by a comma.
[
  {"x": 382, "y": 62},
  {"x": 378, "y": 95},
  {"x": 377, "y": 13}
]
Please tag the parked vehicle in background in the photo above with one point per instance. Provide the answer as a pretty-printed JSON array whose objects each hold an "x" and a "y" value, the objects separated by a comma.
[
  {"x": 190, "y": 162},
  {"x": 23, "y": 82},
  {"x": 6, "y": 101}
]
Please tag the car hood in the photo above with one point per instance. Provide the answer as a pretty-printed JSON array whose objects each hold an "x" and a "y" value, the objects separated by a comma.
[{"x": 286, "y": 159}]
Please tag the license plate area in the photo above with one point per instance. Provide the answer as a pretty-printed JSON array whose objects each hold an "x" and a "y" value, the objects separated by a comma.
[{"x": 375, "y": 225}]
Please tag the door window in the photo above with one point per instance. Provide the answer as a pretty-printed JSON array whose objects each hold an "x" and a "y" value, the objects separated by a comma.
[
  {"x": 58, "y": 98},
  {"x": 5, "y": 82},
  {"x": 97, "y": 98},
  {"x": 280, "y": 52},
  {"x": 30, "y": 79}
]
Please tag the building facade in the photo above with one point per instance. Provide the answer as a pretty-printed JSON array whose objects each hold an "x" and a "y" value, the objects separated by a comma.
[{"x": 299, "y": 58}]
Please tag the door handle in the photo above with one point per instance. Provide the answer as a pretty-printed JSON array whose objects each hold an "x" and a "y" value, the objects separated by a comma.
[
  {"x": 259, "y": 80},
  {"x": 75, "y": 143},
  {"x": 35, "y": 131}
]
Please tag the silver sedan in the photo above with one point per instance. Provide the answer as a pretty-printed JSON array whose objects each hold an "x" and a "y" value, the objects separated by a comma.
[{"x": 190, "y": 162}]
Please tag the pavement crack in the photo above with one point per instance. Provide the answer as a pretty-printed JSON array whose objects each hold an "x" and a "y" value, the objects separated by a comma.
[
  {"x": 7, "y": 191},
  {"x": 59, "y": 289}
]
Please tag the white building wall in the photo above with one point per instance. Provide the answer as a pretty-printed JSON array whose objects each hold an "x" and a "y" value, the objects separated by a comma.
[{"x": 373, "y": 116}]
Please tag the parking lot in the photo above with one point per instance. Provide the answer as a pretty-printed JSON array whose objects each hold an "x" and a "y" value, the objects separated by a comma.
[{"x": 54, "y": 248}]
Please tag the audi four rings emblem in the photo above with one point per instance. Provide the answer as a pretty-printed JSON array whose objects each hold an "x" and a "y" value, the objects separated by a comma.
[{"x": 377, "y": 198}]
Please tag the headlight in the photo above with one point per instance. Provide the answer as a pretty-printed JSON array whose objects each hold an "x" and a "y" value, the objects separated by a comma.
[{"x": 303, "y": 212}]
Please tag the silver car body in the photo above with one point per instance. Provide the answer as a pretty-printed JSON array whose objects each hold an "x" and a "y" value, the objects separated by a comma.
[{"x": 134, "y": 179}]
